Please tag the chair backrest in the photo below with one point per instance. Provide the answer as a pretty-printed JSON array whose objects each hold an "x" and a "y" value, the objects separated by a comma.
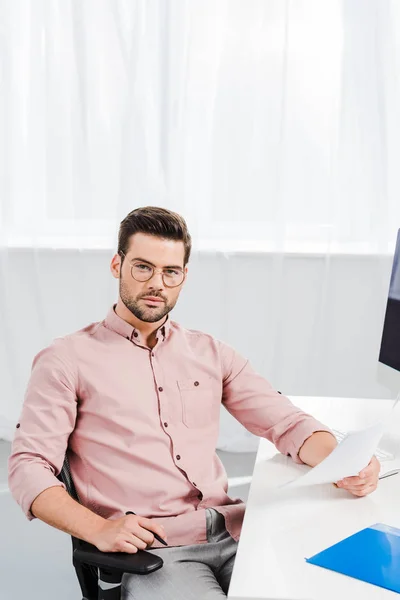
[
  {"x": 87, "y": 575},
  {"x": 66, "y": 478}
]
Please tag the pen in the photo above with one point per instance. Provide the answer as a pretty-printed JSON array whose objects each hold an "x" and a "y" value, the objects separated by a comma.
[
  {"x": 130, "y": 512},
  {"x": 389, "y": 473}
]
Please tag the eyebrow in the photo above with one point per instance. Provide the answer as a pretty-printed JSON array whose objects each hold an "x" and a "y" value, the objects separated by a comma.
[{"x": 150, "y": 263}]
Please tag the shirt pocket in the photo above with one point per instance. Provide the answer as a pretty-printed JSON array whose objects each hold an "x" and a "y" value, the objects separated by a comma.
[{"x": 201, "y": 401}]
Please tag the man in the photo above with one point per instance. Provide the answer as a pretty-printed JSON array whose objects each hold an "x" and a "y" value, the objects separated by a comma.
[{"x": 135, "y": 401}]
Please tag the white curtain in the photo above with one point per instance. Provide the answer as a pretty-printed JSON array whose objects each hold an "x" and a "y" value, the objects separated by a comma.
[{"x": 272, "y": 126}]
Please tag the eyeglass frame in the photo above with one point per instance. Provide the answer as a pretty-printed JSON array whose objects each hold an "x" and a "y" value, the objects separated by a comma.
[{"x": 155, "y": 270}]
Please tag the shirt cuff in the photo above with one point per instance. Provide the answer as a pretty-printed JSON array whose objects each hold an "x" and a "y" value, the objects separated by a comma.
[{"x": 31, "y": 488}]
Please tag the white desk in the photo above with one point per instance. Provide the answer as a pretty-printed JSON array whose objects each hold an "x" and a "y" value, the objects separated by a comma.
[{"x": 282, "y": 528}]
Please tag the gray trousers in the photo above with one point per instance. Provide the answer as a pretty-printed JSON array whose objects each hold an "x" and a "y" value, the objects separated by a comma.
[{"x": 198, "y": 572}]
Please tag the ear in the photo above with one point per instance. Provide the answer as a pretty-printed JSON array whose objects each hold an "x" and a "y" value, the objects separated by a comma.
[
  {"x": 186, "y": 274},
  {"x": 115, "y": 266}
]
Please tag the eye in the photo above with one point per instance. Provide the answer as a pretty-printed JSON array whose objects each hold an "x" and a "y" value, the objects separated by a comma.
[
  {"x": 173, "y": 272},
  {"x": 141, "y": 267}
]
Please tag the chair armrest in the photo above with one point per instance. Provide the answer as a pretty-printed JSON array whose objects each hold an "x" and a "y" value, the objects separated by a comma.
[{"x": 140, "y": 563}]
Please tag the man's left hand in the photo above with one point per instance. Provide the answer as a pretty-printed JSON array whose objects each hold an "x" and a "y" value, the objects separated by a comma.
[{"x": 365, "y": 482}]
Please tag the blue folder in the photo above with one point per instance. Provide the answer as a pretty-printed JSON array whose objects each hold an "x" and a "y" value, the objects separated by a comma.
[{"x": 372, "y": 555}]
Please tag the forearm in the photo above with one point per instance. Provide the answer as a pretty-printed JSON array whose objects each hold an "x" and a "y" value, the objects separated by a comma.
[
  {"x": 55, "y": 507},
  {"x": 317, "y": 447}
]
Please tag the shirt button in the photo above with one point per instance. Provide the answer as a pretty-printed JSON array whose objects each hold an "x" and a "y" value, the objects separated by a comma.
[
  {"x": 18, "y": 425},
  {"x": 152, "y": 354},
  {"x": 178, "y": 457},
  {"x": 135, "y": 334},
  {"x": 165, "y": 424},
  {"x": 160, "y": 389},
  {"x": 196, "y": 383}
]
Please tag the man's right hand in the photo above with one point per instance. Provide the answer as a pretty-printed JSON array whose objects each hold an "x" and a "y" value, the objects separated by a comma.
[{"x": 128, "y": 534}]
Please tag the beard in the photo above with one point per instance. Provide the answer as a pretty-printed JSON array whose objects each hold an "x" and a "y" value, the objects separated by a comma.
[{"x": 148, "y": 314}]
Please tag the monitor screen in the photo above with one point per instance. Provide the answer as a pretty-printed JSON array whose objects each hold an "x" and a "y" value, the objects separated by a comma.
[{"x": 390, "y": 346}]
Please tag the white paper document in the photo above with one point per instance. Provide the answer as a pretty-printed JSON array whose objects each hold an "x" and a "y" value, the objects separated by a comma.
[{"x": 347, "y": 459}]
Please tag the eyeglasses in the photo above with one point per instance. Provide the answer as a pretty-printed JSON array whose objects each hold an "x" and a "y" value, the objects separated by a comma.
[{"x": 144, "y": 272}]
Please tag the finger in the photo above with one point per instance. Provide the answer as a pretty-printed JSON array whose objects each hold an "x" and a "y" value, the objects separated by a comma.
[
  {"x": 367, "y": 483},
  {"x": 150, "y": 525},
  {"x": 373, "y": 467},
  {"x": 369, "y": 470},
  {"x": 360, "y": 487},
  {"x": 146, "y": 535},
  {"x": 350, "y": 481},
  {"x": 363, "y": 476},
  {"x": 127, "y": 547},
  {"x": 137, "y": 541},
  {"x": 365, "y": 491},
  {"x": 377, "y": 463},
  {"x": 360, "y": 482},
  {"x": 141, "y": 533},
  {"x": 358, "y": 491}
]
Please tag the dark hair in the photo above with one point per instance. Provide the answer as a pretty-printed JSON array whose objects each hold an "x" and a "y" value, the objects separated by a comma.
[{"x": 156, "y": 221}]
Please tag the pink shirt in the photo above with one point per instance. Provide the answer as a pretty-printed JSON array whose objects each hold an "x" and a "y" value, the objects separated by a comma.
[{"x": 141, "y": 425}]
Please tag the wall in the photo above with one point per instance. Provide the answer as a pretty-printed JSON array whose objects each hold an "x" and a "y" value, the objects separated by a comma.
[{"x": 309, "y": 323}]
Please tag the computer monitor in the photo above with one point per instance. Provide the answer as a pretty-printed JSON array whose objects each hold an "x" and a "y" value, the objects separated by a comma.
[{"x": 389, "y": 356}]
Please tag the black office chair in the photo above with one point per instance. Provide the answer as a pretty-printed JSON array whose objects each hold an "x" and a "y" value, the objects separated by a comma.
[{"x": 100, "y": 573}]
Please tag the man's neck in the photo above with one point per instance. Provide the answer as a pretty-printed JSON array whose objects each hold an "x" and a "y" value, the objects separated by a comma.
[{"x": 147, "y": 330}]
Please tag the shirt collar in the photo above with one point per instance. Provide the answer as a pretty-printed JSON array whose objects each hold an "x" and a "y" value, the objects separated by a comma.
[{"x": 115, "y": 323}]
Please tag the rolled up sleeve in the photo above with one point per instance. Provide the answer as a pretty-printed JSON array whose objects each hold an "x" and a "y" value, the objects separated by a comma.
[
  {"x": 47, "y": 419},
  {"x": 252, "y": 400}
]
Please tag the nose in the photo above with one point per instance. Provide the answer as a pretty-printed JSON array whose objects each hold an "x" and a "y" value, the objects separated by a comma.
[{"x": 156, "y": 282}]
